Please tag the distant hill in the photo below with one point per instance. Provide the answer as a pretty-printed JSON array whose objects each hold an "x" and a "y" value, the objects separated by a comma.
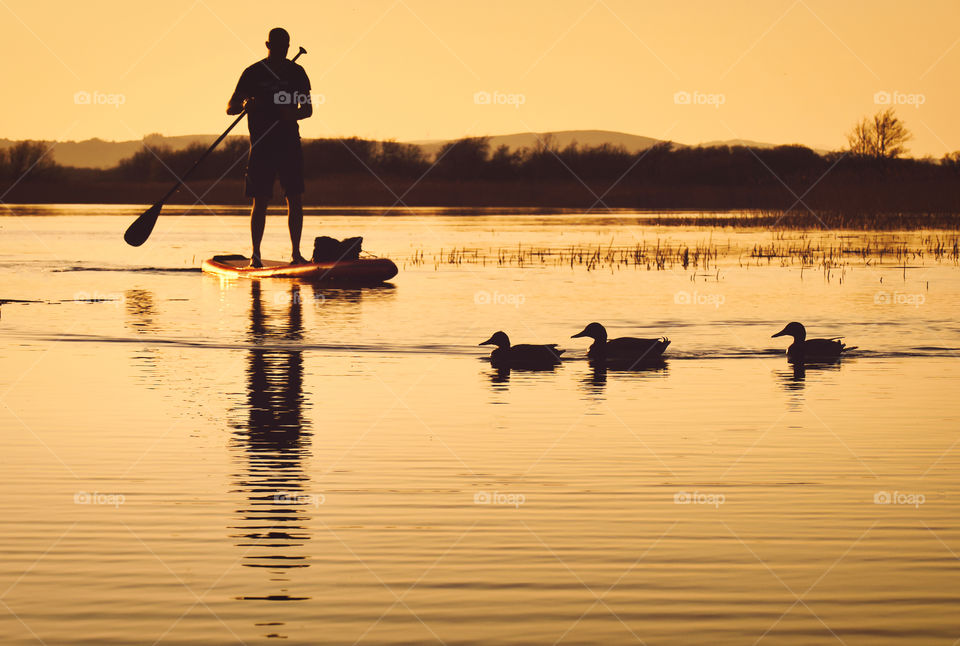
[
  {"x": 97, "y": 153},
  {"x": 561, "y": 139},
  {"x": 738, "y": 142}
]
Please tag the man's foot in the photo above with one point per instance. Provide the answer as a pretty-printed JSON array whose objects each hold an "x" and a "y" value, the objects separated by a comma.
[
  {"x": 299, "y": 260},
  {"x": 255, "y": 262}
]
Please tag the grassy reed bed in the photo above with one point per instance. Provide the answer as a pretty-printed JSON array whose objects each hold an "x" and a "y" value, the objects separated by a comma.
[
  {"x": 795, "y": 251},
  {"x": 801, "y": 219},
  {"x": 662, "y": 255},
  {"x": 846, "y": 250}
]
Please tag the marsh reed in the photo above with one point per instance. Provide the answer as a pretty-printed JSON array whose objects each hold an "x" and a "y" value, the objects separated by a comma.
[{"x": 807, "y": 250}]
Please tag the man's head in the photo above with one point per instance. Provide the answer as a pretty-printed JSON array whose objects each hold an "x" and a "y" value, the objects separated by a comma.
[{"x": 278, "y": 42}]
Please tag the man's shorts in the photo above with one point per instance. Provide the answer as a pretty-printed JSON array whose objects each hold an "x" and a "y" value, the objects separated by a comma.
[{"x": 272, "y": 157}]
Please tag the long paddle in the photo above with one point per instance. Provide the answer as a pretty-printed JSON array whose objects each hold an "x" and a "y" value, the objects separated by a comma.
[{"x": 138, "y": 232}]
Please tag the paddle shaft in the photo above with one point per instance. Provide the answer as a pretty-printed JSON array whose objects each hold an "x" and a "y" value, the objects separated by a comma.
[
  {"x": 183, "y": 178},
  {"x": 138, "y": 232}
]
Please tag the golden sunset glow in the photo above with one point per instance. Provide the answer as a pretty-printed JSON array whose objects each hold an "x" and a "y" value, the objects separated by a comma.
[
  {"x": 517, "y": 323},
  {"x": 785, "y": 71}
]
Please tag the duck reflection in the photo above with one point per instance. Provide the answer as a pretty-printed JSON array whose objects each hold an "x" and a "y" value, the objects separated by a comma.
[
  {"x": 273, "y": 445},
  {"x": 500, "y": 375},
  {"x": 595, "y": 381},
  {"x": 793, "y": 379}
]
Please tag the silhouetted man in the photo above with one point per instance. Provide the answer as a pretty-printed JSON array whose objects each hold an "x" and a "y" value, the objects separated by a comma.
[{"x": 276, "y": 94}]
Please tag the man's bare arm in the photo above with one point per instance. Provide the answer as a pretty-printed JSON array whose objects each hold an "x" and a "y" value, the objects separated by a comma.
[
  {"x": 238, "y": 102},
  {"x": 305, "y": 110},
  {"x": 236, "y": 106}
]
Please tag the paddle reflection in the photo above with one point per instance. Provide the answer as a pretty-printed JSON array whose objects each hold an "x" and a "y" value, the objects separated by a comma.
[{"x": 141, "y": 310}]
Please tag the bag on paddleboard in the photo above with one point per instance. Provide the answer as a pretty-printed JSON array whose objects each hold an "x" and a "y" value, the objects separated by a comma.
[{"x": 327, "y": 249}]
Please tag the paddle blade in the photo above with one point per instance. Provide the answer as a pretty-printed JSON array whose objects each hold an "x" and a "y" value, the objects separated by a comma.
[{"x": 138, "y": 232}]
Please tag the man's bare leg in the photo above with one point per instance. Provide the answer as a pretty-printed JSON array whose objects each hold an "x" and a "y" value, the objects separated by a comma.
[
  {"x": 258, "y": 220},
  {"x": 295, "y": 222}
]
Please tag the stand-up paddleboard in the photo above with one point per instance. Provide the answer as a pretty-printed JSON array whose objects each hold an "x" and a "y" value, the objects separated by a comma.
[{"x": 368, "y": 271}]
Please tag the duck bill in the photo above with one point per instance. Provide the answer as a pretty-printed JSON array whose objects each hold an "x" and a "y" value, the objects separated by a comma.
[
  {"x": 487, "y": 342},
  {"x": 579, "y": 334},
  {"x": 782, "y": 332}
]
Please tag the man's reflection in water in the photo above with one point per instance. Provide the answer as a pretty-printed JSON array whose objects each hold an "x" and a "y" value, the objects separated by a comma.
[{"x": 274, "y": 443}]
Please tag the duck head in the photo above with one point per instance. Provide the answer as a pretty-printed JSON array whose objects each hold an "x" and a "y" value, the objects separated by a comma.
[
  {"x": 794, "y": 329},
  {"x": 499, "y": 339},
  {"x": 595, "y": 331}
]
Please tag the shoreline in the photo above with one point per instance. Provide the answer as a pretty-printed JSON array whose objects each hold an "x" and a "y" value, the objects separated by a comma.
[{"x": 707, "y": 218}]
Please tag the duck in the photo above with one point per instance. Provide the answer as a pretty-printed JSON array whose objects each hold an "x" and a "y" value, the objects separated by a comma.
[
  {"x": 523, "y": 355},
  {"x": 623, "y": 350},
  {"x": 804, "y": 350}
]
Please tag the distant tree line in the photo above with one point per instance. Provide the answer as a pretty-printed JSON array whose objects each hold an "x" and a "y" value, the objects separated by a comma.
[
  {"x": 472, "y": 159},
  {"x": 28, "y": 161},
  {"x": 727, "y": 176}
]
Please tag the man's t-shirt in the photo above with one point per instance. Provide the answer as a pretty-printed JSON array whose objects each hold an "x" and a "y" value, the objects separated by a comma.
[{"x": 273, "y": 86}]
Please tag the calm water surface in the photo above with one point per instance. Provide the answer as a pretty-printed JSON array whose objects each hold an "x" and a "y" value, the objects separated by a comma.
[{"x": 189, "y": 460}]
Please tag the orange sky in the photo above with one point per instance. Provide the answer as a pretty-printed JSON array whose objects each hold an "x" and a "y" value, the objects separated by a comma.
[{"x": 777, "y": 71}]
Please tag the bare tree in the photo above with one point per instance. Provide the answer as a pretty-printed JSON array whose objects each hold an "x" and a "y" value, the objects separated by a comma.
[
  {"x": 546, "y": 144},
  {"x": 859, "y": 139},
  {"x": 882, "y": 137},
  {"x": 28, "y": 158}
]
